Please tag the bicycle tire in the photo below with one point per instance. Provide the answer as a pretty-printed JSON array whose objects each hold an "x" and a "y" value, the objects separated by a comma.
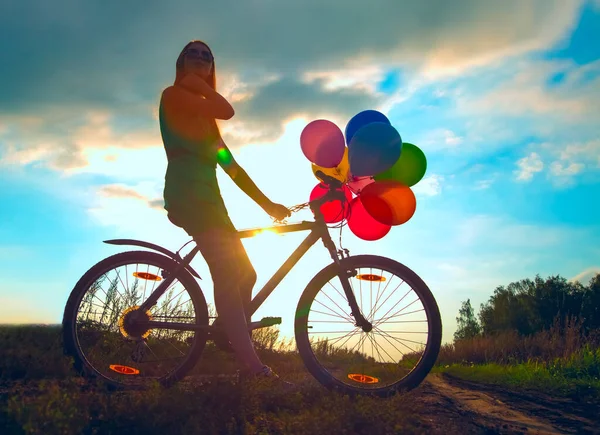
[
  {"x": 419, "y": 372},
  {"x": 71, "y": 347}
]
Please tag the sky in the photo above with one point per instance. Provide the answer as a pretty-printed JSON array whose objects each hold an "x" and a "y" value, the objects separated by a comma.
[{"x": 503, "y": 98}]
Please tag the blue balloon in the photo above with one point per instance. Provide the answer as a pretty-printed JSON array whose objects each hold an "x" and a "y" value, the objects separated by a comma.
[
  {"x": 374, "y": 148},
  {"x": 360, "y": 120}
]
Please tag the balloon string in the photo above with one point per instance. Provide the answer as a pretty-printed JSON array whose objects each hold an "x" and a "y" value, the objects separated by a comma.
[{"x": 339, "y": 225}]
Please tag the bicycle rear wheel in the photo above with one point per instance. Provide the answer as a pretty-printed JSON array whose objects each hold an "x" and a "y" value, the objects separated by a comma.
[
  {"x": 99, "y": 322},
  {"x": 400, "y": 350}
]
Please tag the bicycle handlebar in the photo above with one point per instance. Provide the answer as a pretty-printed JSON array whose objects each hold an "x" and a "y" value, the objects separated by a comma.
[{"x": 334, "y": 193}]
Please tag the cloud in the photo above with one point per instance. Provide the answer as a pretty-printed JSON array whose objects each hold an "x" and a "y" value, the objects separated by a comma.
[
  {"x": 281, "y": 70},
  {"x": 364, "y": 78},
  {"x": 105, "y": 60},
  {"x": 586, "y": 275},
  {"x": 120, "y": 191},
  {"x": 567, "y": 161},
  {"x": 498, "y": 107},
  {"x": 528, "y": 166},
  {"x": 573, "y": 159},
  {"x": 585, "y": 151},
  {"x": 72, "y": 142},
  {"x": 518, "y": 88},
  {"x": 259, "y": 36},
  {"x": 429, "y": 186},
  {"x": 560, "y": 170},
  {"x": 440, "y": 139},
  {"x": 483, "y": 184},
  {"x": 280, "y": 101},
  {"x": 129, "y": 210}
]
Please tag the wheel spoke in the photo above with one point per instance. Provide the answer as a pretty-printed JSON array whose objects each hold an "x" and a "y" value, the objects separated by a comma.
[
  {"x": 394, "y": 306},
  {"x": 334, "y": 312},
  {"x": 374, "y": 309},
  {"x": 341, "y": 309},
  {"x": 109, "y": 328},
  {"x": 399, "y": 315},
  {"x": 380, "y": 360}
]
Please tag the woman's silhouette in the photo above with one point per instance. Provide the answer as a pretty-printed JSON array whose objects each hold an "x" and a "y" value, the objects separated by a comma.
[{"x": 194, "y": 147}]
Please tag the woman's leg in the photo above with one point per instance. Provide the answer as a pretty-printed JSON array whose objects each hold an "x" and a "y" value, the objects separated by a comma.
[
  {"x": 247, "y": 279},
  {"x": 233, "y": 277}
]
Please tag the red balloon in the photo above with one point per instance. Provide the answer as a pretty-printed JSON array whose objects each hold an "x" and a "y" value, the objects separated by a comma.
[
  {"x": 389, "y": 202},
  {"x": 332, "y": 210},
  {"x": 363, "y": 225}
]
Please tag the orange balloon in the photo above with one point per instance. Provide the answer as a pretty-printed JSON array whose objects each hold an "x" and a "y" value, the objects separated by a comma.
[
  {"x": 340, "y": 172},
  {"x": 389, "y": 202}
]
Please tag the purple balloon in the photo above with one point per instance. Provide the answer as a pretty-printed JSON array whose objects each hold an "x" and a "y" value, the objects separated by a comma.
[{"x": 323, "y": 143}]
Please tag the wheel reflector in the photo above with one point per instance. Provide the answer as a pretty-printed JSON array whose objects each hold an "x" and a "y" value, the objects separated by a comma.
[
  {"x": 363, "y": 379},
  {"x": 124, "y": 370},
  {"x": 148, "y": 276},
  {"x": 369, "y": 277}
]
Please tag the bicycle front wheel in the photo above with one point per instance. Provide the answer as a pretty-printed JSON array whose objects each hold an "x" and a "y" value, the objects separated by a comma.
[
  {"x": 399, "y": 351},
  {"x": 100, "y": 330}
]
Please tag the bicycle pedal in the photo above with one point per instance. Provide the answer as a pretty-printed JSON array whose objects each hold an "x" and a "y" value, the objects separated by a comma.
[
  {"x": 270, "y": 321},
  {"x": 265, "y": 322}
]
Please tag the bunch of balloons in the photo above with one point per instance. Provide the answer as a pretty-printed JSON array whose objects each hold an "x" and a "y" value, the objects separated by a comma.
[{"x": 376, "y": 168}]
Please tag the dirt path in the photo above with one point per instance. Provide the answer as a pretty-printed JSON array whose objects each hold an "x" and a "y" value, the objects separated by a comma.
[
  {"x": 445, "y": 405},
  {"x": 498, "y": 410}
]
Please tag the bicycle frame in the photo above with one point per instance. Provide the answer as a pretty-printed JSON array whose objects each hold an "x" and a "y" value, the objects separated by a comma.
[{"x": 318, "y": 230}]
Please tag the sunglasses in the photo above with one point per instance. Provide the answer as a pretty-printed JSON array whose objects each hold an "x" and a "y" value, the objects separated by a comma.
[{"x": 204, "y": 55}]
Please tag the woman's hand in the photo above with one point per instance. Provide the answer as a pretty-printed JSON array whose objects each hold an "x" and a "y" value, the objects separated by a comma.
[
  {"x": 213, "y": 105},
  {"x": 277, "y": 211},
  {"x": 194, "y": 83}
]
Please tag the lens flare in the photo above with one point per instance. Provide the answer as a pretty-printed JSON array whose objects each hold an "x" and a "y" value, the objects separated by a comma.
[{"x": 224, "y": 157}]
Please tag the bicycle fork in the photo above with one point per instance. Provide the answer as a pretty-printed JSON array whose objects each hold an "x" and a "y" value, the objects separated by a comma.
[{"x": 344, "y": 274}]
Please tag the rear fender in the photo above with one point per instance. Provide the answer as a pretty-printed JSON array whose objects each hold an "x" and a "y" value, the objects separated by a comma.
[{"x": 154, "y": 247}]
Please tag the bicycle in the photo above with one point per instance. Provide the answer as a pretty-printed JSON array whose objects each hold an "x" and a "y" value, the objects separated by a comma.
[{"x": 143, "y": 328}]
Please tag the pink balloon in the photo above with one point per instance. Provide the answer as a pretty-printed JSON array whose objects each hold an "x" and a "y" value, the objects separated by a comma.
[
  {"x": 332, "y": 211},
  {"x": 323, "y": 143},
  {"x": 357, "y": 184},
  {"x": 363, "y": 225}
]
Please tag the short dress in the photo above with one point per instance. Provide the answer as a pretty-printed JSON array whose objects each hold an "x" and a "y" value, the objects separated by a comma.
[{"x": 191, "y": 194}]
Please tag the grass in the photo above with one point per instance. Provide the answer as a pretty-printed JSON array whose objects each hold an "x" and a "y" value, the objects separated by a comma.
[
  {"x": 557, "y": 362},
  {"x": 40, "y": 394},
  {"x": 531, "y": 376}
]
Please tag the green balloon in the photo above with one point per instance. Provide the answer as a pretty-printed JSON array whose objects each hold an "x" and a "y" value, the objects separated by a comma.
[{"x": 409, "y": 168}]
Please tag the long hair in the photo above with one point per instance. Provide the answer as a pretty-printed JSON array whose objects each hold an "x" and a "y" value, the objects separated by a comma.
[{"x": 211, "y": 80}]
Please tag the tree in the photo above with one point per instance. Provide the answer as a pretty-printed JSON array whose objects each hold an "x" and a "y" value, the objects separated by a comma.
[
  {"x": 468, "y": 327},
  {"x": 529, "y": 306}
]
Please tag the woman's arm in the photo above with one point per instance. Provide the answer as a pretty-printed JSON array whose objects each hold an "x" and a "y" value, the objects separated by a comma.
[
  {"x": 194, "y": 95},
  {"x": 244, "y": 182},
  {"x": 240, "y": 177}
]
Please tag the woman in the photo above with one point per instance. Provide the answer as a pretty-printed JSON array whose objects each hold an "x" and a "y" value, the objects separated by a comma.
[{"x": 194, "y": 147}]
